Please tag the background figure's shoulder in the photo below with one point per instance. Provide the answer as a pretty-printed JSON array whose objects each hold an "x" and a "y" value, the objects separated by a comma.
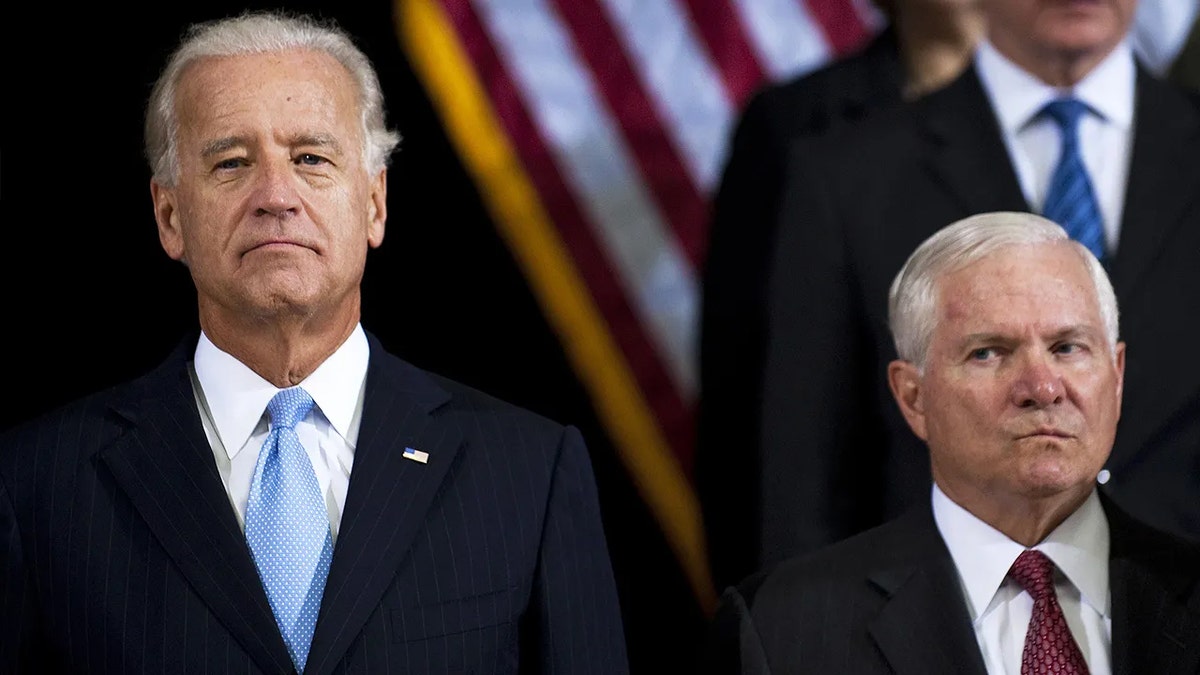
[
  {"x": 855, "y": 156},
  {"x": 841, "y": 92},
  {"x": 910, "y": 128}
]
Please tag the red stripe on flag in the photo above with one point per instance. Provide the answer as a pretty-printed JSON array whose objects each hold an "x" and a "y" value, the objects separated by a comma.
[
  {"x": 645, "y": 134},
  {"x": 721, "y": 29},
  {"x": 589, "y": 257},
  {"x": 843, "y": 27}
]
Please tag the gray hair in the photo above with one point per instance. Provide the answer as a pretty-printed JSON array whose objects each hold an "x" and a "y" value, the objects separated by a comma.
[
  {"x": 912, "y": 299},
  {"x": 259, "y": 33}
]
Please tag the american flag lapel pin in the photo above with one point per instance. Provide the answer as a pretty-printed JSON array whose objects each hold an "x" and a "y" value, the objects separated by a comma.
[{"x": 416, "y": 455}]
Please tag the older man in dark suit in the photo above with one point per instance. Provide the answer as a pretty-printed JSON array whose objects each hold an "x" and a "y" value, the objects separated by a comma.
[
  {"x": 1011, "y": 372},
  {"x": 282, "y": 495},
  {"x": 837, "y": 455}
]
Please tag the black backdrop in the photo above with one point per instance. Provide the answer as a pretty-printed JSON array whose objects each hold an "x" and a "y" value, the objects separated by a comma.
[{"x": 91, "y": 299}]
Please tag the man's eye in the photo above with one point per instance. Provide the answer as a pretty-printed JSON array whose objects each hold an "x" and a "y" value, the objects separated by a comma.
[
  {"x": 231, "y": 163},
  {"x": 310, "y": 159},
  {"x": 1067, "y": 348},
  {"x": 983, "y": 353}
]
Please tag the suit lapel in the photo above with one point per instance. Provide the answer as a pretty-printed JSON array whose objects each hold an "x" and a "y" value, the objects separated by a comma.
[
  {"x": 1164, "y": 171},
  {"x": 924, "y": 627},
  {"x": 386, "y": 500},
  {"x": 965, "y": 153},
  {"x": 165, "y": 466},
  {"x": 1156, "y": 603}
]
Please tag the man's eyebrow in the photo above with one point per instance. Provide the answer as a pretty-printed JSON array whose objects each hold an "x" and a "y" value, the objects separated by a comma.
[
  {"x": 318, "y": 140},
  {"x": 1075, "y": 330},
  {"x": 219, "y": 145},
  {"x": 1078, "y": 330},
  {"x": 986, "y": 336}
]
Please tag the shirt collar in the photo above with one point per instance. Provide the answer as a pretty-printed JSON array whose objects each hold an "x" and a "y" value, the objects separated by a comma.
[
  {"x": 1017, "y": 96},
  {"x": 237, "y": 396},
  {"x": 983, "y": 554}
]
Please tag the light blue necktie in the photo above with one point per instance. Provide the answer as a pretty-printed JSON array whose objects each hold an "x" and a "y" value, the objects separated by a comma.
[
  {"x": 287, "y": 526},
  {"x": 1071, "y": 201}
]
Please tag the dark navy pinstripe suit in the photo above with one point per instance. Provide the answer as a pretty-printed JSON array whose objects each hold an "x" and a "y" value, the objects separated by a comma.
[{"x": 120, "y": 551}]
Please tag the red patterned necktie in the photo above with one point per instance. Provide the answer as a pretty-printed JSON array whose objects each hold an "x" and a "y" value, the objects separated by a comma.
[{"x": 1049, "y": 647}]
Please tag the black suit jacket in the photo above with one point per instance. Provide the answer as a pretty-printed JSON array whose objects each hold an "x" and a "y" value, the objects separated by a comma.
[
  {"x": 837, "y": 457},
  {"x": 890, "y": 601},
  {"x": 733, "y": 311},
  {"x": 1186, "y": 68},
  {"x": 121, "y": 552}
]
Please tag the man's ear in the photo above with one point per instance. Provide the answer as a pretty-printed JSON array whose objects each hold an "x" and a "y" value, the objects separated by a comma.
[
  {"x": 166, "y": 214},
  {"x": 905, "y": 382},
  {"x": 377, "y": 215}
]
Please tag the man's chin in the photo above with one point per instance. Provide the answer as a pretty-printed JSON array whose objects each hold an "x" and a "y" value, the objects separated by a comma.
[
  {"x": 1048, "y": 479},
  {"x": 272, "y": 301}
]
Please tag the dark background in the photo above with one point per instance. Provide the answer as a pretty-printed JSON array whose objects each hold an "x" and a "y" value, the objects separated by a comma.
[{"x": 90, "y": 299}]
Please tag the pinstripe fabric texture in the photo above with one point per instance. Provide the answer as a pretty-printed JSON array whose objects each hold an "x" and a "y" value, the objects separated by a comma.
[
  {"x": 121, "y": 552},
  {"x": 890, "y": 601}
]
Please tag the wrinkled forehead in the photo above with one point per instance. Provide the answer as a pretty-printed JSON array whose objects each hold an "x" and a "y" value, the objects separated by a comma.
[
  {"x": 292, "y": 65},
  {"x": 299, "y": 91},
  {"x": 1045, "y": 283}
]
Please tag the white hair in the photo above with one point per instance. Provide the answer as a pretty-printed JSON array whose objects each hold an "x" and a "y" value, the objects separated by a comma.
[
  {"x": 258, "y": 33},
  {"x": 912, "y": 299}
]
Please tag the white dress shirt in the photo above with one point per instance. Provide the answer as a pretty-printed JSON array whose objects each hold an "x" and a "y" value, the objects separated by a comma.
[
  {"x": 233, "y": 403},
  {"x": 1160, "y": 30},
  {"x": 1033, "y": 141},
  {"x": 1000, "y": 609}
]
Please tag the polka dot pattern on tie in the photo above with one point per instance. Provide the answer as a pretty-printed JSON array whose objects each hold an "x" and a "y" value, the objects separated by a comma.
[
  {"x": 1049, "y": 646},
  {"x": 287, "y": 526}
]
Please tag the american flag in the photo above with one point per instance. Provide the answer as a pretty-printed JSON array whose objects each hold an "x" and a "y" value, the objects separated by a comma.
[{"x": 596, "y": 132}]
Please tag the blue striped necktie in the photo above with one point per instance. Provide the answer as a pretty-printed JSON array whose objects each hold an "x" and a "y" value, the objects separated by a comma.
[
  {"x": 1071, "y": 200},
  {"x": 287, "y": 525}
]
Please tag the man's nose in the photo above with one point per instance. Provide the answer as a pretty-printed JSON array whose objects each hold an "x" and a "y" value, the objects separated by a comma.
[
  {"x": 1039, "y": 383},
  {"x": 275, "y": 190}
]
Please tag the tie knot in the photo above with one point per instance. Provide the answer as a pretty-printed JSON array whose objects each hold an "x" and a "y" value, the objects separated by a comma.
[
  {"x": 1034, "y": 572},
  {"x": 1066, "y": 112},
  {"x": 288, "y": 407}
]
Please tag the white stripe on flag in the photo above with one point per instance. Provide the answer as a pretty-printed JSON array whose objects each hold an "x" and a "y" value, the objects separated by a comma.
[
  {"x": 562, "y": 98},
  {"x": 786, "y": 36},
  {"x": 678, "y": 74}
]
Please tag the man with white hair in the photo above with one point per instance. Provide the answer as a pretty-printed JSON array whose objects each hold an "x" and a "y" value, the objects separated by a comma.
[{"x": 1011, "y": 372}]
